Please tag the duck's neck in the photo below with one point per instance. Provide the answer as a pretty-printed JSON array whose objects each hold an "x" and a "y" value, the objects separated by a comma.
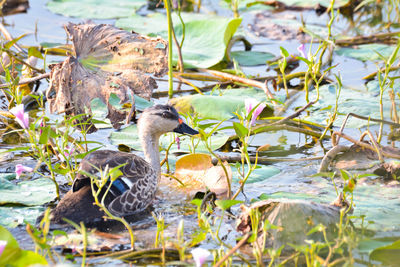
[{"x": 150, "y": 145}]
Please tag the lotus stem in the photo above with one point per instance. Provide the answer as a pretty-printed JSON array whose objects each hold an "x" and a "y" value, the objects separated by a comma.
[{"x": 170, "y": 29}]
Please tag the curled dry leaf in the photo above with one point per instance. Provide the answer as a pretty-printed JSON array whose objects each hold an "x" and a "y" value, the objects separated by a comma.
[
  {"x": 282, "y": 213},
  {"x": 107, "y": 60},
  {"x": 388, "y": 170},
  {"x": 356, "y": 157},
  {"x": 196, "y": 172},
  {"x": 14, "y": 7}
]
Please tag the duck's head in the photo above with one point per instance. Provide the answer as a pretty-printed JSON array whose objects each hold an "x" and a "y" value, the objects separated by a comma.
[{"x": 160, "y": 119}]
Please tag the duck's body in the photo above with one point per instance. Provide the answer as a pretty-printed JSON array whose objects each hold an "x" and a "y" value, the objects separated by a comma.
[{"x": 134, "y": 190}]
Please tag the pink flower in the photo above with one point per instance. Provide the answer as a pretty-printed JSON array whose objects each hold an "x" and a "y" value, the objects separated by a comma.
[
  {"x": 250, "y": 104},
  {"x": 41, "y": 125},
  {"x": 3, "y": 244},
  {"x": 19, "y": 169},
  {"x": 200, "y": 256},
  {"x": 302, "y": 50},
  {"x": 68, "y": 151},
  {"x": 178, "y": 142},
  {"x": 20, "y": 116}
]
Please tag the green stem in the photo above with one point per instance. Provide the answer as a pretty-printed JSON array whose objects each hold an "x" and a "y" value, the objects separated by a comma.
[{"x": 170, "y": 77}]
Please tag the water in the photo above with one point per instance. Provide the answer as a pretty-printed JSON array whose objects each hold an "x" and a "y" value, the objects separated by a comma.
[{"x": 294, "y": 177}]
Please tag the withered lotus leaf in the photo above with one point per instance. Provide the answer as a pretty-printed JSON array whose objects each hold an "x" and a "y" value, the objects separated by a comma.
[{"x": 106, "y": 60}]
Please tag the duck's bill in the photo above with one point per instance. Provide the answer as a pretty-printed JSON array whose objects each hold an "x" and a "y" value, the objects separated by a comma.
[{"x": 183, "y": 128}]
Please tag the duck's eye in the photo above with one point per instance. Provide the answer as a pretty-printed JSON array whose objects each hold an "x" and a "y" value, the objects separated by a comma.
[{"x": 165, "y": 115}]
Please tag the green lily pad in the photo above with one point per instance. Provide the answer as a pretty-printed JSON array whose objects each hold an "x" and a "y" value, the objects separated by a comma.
[
  {"x": 220, "y": 107},
  {"x": 361, "y": 102},
  {"x": 252, "y": 58},
  {"x": 388, "y": 255},
  {"x": 95, "y": 9},
  {"x": 28, "y": 193},
  {"x": 13, "y": 216},
  {"x": 206, "y": 41},
  {"x": 287, "y": 195},
  {"x": 368, "y": 245},
  {"x": 246, "y": 5},
  {"x": 206, "y": 36},
  {"x": 258, "y": 175},
  {"x": 217, "y": 141},
  {"x": 156, "y": 23},
  {"x": 382, "y": 208},
  {"x": 129, "y": 137},
  {"x": 366, "y": 52}
]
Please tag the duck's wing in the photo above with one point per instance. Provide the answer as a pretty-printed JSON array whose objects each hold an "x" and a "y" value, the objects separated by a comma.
[
  {"x": 100, "y": 159},
  {"x": 140, "y": 194},
  {"x": 133, "y": 191}
]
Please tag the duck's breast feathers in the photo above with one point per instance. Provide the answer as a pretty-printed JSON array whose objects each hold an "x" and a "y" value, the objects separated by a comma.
[{"x": 133, "y": 167}]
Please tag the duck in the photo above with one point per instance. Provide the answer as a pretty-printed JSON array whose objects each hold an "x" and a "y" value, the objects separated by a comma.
[{"x": 134, "y": 191}]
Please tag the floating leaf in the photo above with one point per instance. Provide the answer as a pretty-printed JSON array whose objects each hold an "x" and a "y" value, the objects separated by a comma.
[
  {"x": 252, "y": 58},
  {"x": 368, "y": 245},
  {"x": 129, "y": 137},
  {"x": 260, "y": 174},
  {"x": 28, "y": 193},
  {"x": 288, "y": 195},
  {"x": 13, "y": 216},
  {"x": 95, "y": 9},
  {"x": 232, "y": 101},
  {"x": 388, "y": 255},
  {"x": 197, "y": 172},
  {"x": 206, "y": 36},
  {"x": 362, "y": 102},
  {"x": 366, "y": 52},
  {"x": 206, "y": 41},
  {"x": 190, "y": 169}
]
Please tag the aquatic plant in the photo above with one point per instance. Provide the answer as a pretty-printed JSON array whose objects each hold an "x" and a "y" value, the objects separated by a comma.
[
  {"x": 200, "y": 256},
  {"x": 19, "y": 169}
]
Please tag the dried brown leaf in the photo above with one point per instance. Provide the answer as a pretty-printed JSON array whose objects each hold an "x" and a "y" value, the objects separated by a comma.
[{"x": 107, "y": 60}]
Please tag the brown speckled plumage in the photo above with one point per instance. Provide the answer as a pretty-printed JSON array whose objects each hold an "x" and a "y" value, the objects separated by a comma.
[{"x": 134, "y": 191}]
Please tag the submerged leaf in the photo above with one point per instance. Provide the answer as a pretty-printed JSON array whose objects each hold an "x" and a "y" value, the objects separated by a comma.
[{"x": 281, "y": 26}]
